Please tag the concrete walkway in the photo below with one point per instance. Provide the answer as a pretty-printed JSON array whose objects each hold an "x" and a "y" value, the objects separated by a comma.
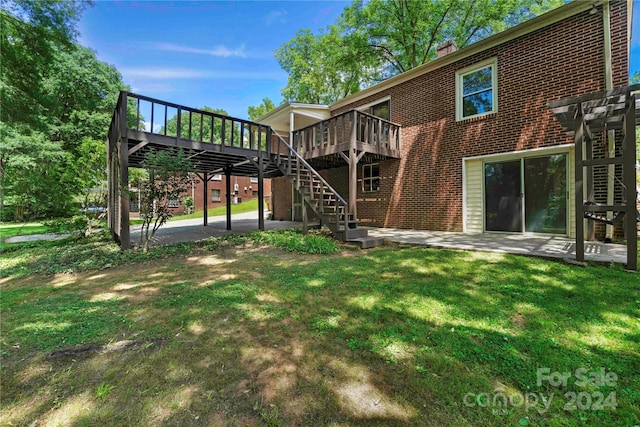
[
  {"x": 540, "y": 246},
  {"x": 190, "y": 230}
]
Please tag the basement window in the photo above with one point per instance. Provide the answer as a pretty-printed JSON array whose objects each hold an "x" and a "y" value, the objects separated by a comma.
[
  {"x": 370, "y": 177},
  {"x": 476, "y": 90},
  {"x": 173, "y": 203}
]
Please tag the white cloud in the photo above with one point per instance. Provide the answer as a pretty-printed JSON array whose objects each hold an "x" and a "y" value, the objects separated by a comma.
[
  {"x": 276, "y": 17},
  {"x": 217, "y": 51},
  {"x": 161, "y": 73}
]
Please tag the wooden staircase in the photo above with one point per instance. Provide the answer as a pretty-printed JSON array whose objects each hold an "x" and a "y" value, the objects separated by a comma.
[{"x": 321, "y": 198}]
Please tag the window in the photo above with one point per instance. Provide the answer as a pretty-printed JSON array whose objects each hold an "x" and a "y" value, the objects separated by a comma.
[
  {"x": 381, "y": 110},
  {"x": 217, "y": 177},
  {"x": 371, "y": 177},
  {"x": 254, "y": 179},
  {"x": 215, "y": 195},
  {"x": 173, "y": 203},
  {"x": 476, "y": 90}
]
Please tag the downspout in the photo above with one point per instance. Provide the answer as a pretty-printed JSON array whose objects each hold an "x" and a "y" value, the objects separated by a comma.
[{"x": 608, "y": 85}]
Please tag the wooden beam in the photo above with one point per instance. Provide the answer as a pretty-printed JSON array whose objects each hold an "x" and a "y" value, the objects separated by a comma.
[
  {"x": 588, "y": 156},
  {"x": 578, "y": 139},
  {"x": 260, "y": 194},
  {"x": 227, "y": 174},
  {"x": 205, "y": 199},
  {"x": 137, "y": 147},
  {"x": 629, "y": 180}
]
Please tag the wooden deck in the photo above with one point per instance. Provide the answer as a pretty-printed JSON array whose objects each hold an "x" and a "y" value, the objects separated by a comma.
[{"x": 352, "y": 130}]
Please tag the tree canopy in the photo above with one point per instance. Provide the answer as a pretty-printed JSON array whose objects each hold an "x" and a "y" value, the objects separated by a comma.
[
  {"x": 56, "y": 105},
  {"x": 377, "y": 39},
  {"x": 255, "y": 112}
]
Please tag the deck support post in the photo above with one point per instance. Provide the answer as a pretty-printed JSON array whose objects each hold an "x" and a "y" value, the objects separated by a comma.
[
  {"x": 578, "y": 139},
  {"x": 353, "y": 167},
  {"x": 125, "y": 236},
  {"x": 260, "y": 193},
  {"x": 227, "y": 175},
  {"x": 629, "y": 179},
  {"x": 205, "y": 186}
]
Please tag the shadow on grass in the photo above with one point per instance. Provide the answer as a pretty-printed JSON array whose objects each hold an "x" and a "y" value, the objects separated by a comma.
[{"x": 261, "y": 337}]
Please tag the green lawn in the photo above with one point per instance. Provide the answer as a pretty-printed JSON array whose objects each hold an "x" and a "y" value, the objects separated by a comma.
[
  {"x": 237, "y": 332},
  {"x": 248, "y": 206},
  {"x": 11, "y": 229}
]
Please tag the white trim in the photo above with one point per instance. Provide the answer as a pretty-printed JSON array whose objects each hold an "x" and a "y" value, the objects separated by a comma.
[
  {"x": 518, "y": 155},
  {"x": 464, "y": 196},
  {"x": 216, "y": 177},
  {"x": 460, "y": 74},
  {"x": 556, "y": 149},
  {"x": 376, "y": 102},
  {"x": 544, "y": 20}
]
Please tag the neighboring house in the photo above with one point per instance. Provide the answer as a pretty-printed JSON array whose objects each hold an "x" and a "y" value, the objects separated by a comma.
[
  {"x": 243, "y": 189},
  {"x": 479, "y": 148}
]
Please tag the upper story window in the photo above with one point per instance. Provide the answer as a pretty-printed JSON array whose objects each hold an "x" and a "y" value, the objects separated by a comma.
[
  {"x": 217, "y": 177},
  {"x": 477, "y": 90},
  {"x": 381, "y": 110}
]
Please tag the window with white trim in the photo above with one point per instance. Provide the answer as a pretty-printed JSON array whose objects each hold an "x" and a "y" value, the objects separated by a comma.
[
  {"x": 173, "y": 203},
  {"x": 215, "y": 195},
  {"x": 254, "y": 179},
  {"x": 217, "y": 177},
  {"x": 477, "y": 90},
  {"x": 370, "y": 177}
]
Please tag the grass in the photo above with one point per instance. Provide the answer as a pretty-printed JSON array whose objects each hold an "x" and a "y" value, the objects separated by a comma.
[
  {"x": 12, "y": 229},
  {"x": 237, "y": 331},
  {"x": 248, "y": 206}
]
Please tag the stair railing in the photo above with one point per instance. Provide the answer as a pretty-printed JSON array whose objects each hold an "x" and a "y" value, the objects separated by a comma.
[{"x": 292, "y": 155}]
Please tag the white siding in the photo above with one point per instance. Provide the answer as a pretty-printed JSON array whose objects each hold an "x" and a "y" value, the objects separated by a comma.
[{"x": 473, "y": 185}]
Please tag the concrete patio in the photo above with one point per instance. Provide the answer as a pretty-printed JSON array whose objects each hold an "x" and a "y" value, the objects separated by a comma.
[{"x": 539, "y": 246}]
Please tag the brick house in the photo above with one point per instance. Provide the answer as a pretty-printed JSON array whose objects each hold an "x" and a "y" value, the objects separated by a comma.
[
  {"x": 479, "y": 149},
  {"x": 243, "y": 189}
]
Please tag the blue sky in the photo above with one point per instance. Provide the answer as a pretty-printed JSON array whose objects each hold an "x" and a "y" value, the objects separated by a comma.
[
  {"x": 213, "y": 53},
  {"x": 218, "y": 54}
]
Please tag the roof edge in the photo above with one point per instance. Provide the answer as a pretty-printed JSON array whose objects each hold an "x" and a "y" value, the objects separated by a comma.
[
  {"x": 541, "y": 21},
  {"x": 288, "y": 106}
]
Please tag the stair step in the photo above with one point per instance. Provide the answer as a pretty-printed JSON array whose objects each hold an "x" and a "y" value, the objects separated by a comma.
[{"x": 368, "y": 242}]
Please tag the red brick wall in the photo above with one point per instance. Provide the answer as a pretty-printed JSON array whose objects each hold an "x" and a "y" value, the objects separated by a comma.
[
  {"x": 242, "y": 181},
  {"x": 423, "y": 189},
  {"x": 282, "y": 204}
]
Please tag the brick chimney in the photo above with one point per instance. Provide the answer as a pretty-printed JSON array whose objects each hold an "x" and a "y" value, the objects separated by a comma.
[{"x": 446, "y": 48}]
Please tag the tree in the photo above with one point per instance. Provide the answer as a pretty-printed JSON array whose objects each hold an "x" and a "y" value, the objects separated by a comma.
[
  {"x": 54, "y": 95},
  {"x": 255, "y": 113},
  {"x": 324, "y": 68},
  {"x": 33, "y": 33},
  {"x": 377, "y": 39},
  {"x": 168, "y": 179}
]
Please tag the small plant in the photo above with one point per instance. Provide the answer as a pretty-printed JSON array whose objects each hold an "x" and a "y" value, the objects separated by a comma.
[
  {"x": 187, "y": 202},
  {"x": 103, "y": 389}
]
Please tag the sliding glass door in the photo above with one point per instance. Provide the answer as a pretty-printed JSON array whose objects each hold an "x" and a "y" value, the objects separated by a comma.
[{"x": 526, "y": 195}]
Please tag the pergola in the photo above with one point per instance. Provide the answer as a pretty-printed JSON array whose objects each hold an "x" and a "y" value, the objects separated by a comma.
[{"x": 616, "y": 114}]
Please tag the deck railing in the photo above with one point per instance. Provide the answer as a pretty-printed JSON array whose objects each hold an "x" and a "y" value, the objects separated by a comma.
[
  {"x": 350, "y": 129},
  {"x": 173, "y": 120}
]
